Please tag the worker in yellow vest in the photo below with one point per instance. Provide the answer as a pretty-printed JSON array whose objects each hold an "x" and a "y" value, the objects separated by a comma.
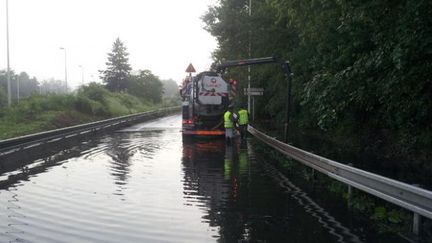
[
  {"x": 243, "y": 122},
  {"x": 229, "y": 125}
]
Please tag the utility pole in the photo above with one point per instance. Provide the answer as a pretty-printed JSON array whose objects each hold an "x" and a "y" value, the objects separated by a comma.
[
  {"x": 82, "y": 74},
  {"x": 249, "y": 53},
  {"x": 66, "y": 84},
  {"x": 18, "y": 88},
  {"x": 7, "y": 54}
]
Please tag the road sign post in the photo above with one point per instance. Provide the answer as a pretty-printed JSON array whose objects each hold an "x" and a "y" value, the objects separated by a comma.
[
  {"x": 252, "y": 92},
  {"x": 190, "y": 69}
]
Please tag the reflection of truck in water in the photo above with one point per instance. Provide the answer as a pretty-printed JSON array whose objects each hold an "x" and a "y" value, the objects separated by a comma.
[{"x": 205, "y": 99}]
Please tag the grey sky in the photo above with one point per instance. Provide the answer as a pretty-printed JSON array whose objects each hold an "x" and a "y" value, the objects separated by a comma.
[{"x": 163, "y": 36}]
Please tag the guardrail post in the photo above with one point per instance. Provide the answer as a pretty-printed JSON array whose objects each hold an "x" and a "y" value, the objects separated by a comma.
[
  {"x": 349, "y": 193},
  {"x": 399, "y": 193},
  {"x": 313, "y": 175},
  {"x": 349, "y": 196},
  {"x": 416, "y": 224}
]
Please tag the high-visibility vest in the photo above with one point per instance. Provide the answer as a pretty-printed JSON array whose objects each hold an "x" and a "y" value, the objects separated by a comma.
[
  {"x": 227, "y": 120},
  {"x": 244, "y": 119}
]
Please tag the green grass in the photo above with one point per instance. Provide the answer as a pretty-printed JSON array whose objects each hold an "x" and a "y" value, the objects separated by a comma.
[
  {"x": 15, "y": 125},
  {"x": 42, "y": 113}
]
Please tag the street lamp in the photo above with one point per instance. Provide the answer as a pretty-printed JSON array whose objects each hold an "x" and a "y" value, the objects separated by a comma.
[
  {"x": 62, "y": 48},
  {"x": 18, "y": 87},
  {"x": 7, "y": 48},
  {"x": 82, "y": 74}
]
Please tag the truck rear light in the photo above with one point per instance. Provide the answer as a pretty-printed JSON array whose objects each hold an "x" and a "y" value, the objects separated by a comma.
[
  {"x": 209, "y": 133},
  {"x": 187, "y": 121}
]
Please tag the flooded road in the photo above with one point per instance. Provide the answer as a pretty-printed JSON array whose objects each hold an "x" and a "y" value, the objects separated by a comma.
[{"x": 145, "y": 184}]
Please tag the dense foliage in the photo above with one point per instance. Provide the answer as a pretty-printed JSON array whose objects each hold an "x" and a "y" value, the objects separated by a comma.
[
  {"x": 171, "y": 89},
  {"x": 146, "y": 84},
  {"x": 171, "y": 94},
  {"x": 362, "y": 68}
]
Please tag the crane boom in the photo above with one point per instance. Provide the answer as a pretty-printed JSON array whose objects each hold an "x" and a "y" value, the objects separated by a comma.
[
  {"x": 219, "y": 68},
  {"x": 245, "y": 62}
]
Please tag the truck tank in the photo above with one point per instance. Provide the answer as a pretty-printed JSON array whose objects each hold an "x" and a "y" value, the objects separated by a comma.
[{"x": 205, "y": 100}]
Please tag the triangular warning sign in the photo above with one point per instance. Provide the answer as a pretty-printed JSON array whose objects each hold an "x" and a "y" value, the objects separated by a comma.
[{"x": 190, "y": 69}]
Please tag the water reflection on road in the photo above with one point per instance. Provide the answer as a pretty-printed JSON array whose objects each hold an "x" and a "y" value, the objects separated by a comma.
[
  {"x": 147, "y": 184},
  {"x": 250, "y": 201}
]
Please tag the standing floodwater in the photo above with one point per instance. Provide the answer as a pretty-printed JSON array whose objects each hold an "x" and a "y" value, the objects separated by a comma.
[{"x": 145, "y": 184}]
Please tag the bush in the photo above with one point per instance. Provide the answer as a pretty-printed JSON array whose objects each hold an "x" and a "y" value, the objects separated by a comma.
[
  {"x": 91, "y": 107},
  {"x": 83, "y": 104},
  {"x": 94, "y": 91},
  {"x": 3, "y": 97}
]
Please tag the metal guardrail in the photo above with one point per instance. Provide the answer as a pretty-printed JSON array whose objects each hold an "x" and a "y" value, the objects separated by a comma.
[
  {"x": 28, "y": 140},
  {"x": 404, "y": 195}
]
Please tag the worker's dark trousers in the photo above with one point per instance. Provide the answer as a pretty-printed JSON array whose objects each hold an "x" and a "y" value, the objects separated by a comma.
[
  {"x": 229, "y": 133},
  {"x": 243, "y": 131}
]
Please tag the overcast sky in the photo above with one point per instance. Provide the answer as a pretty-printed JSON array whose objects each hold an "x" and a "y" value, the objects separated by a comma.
[{"x": 163, "y": 36}]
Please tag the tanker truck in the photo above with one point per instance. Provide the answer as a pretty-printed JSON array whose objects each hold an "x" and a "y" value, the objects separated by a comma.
[
  {"x": 205, "y": 97},
  {"x": 204, "y": 100}
]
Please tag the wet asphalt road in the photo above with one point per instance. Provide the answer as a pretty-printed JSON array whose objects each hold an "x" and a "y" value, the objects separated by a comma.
[{"x": 146, "y": 184}]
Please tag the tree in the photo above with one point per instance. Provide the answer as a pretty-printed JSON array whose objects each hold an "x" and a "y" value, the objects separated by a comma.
[
  {"x": 3, "y": 88},
  {"x": 3, "y": 97},
  {"x": 27, "y": 85},
  {"x": 117, "y": 74},
  {"x": 171, "y": 94},
  {"x": 171, "y": 89},
  {"x": 361, "y": 67},
  {"x": 52, "y": 86},
  {"x": 146, "y": 85}
]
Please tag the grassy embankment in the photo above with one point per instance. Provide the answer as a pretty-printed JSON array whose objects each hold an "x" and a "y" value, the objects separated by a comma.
[{"x": 90, "y": 103}]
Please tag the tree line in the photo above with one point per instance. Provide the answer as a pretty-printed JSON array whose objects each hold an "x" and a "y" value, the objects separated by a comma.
[
  {"x": 24, "y": 86},
  {"x": 362, "y": 69},
  {"x": 48, "y": 105},
  {"x": 117, "y": 77}
]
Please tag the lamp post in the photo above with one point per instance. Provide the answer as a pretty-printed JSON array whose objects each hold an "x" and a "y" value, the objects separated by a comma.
[
  {"x": 7, "y": 55},
  {"x": 66, "y": 84},
  {"x": 18, "y": 87},
  {"x": 82, "y": 74}
]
